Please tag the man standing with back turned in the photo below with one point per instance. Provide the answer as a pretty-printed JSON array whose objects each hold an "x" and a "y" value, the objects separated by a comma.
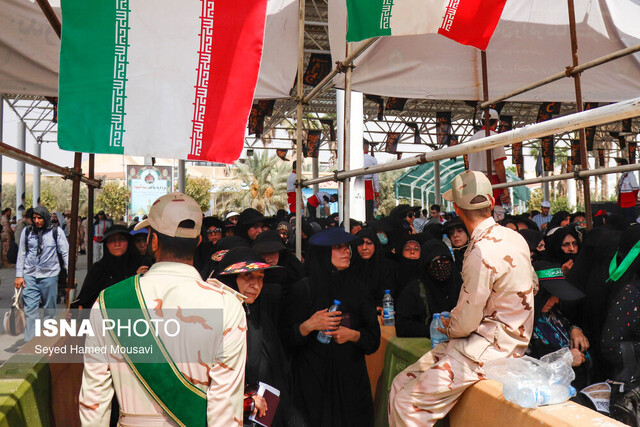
[
  {"x": 197, "y": 377},
  {"x": 492, "y": 320}
]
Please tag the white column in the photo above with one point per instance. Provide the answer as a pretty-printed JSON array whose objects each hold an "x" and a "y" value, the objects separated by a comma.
[
  {"x": 572, "y": 193},
  {"x": 37, "y": 151},
  {"x": 20, "y": 145},
  {"x": 356, "y": 200}
]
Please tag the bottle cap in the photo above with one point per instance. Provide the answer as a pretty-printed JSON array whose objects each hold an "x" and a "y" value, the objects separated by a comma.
[
  {"x": 436, "y": 315},
  {"x": 336, "y": 302},
  {"x": 572, "y": 391},
  {"x": 388, "y": 291}
]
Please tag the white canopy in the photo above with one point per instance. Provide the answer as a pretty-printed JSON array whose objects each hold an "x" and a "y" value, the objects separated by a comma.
[
  {"x": 29, "y": 50},
  {"x": 531, "y": 42}
]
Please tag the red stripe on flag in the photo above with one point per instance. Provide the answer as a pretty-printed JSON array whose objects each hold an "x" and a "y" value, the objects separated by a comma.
[
  {"x": 238, "y": 34},
  {"x": 471, "y": 22}
]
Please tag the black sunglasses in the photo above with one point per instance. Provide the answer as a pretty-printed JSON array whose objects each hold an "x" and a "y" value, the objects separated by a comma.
[{"x": 215, "y": 230}]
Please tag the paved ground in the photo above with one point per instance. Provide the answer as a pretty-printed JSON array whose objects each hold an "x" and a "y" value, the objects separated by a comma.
[{"x": 8, "y": 344}]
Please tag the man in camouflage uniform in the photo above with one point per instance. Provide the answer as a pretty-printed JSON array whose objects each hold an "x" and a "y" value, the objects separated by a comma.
[{"x": 493, "y": 318}]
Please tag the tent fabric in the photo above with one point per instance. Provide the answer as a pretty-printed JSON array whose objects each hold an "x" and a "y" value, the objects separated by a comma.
[
  {"x": 419, "y": 180},
  {"x": 531, "y": 42},
  {"x": 29, "y": 50}
]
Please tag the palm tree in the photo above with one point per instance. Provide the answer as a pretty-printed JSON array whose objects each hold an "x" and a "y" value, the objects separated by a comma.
[{"x": 264, "y": 181}]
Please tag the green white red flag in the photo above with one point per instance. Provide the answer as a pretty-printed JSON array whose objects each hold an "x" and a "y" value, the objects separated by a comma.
[
  {"x": 159, "y": 78},
  {"x": 470, "y": 22}
]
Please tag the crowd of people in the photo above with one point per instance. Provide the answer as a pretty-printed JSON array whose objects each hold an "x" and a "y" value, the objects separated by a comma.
[{"x": 587, "y": 301}]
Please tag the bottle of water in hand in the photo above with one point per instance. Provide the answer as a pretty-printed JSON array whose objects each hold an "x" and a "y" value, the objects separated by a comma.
[
  {"x": 322, "y": 337},
  {"x": 388, "y": 310},
  {"x": 437, "y": 337}
]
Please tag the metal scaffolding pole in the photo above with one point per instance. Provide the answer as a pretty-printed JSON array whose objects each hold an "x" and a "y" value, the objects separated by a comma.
[
  {"x": 346, "y": 146},
  {"x": 92, "y": 162},
  {"x": 486, "y": 116},
  {"x": 1, "y": 131},
  {"x": 182, "y": 176},
  {"x": 20, "y": 145},
  {"x": 37, "y": 175},
  {"x": 73, "y": 233},
  {"x": 21, "y": 156},
  {"x": 301, "y": 12},
  {"x": 583, "y": 141},
  {"x": 570, "y": 175},
  {"x": 436, "y": 182},
  {"x": 597, "y": 116}
]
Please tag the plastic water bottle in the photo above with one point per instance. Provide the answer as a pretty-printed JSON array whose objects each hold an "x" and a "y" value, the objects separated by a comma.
[
  {"x": 530, "y": 395},
  {"x": 322, "y": 337},
  {"x": 388, "y": 311},
  {"x": 447, "y": 242},
  {"x": 437, "y": 337}
]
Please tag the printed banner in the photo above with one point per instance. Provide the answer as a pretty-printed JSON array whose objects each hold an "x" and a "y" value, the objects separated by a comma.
[
  {"x": 378, "y": 100},
  {"x": 516, "y": 154},
  {"x": 470, "y": 22},
  {"x": 633, "y": 146},
  {"x": 601, "y": 157},
  {"x": 546, "y": 147},
  {"x": 520, "y": 171},
  {"x": 332, "y": 128},
  {"x": 159, "y": 79},
  {"x": 146, "y": 184},
  {"x": 590, "y": 132},
  {"x": 319, "y": 67},
  {"x": 576, "y": 157},
  {"x": 395, "y": 104},
  {"x": 443, "y": 127},
  {"x": 416, "y": 132},
  {"x": 391, "y": 143},
  {"x": 256, "y": 121},
  {"x": 282, "y": 153},
  {"x": 312, "y": 145}
]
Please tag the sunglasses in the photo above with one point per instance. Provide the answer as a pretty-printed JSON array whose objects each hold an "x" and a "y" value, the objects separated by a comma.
[{"x": 215, "y": 230}]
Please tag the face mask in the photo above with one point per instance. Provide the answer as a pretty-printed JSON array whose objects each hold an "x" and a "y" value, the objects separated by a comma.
[
  {"x": 383, "y": 238},
  {"x": 440, "y": 271}
]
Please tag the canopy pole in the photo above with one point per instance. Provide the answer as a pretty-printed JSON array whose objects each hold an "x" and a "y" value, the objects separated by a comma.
[
  {"x": 301, "y": 12},
  {"x": 571, "y": 175},
  {"x": 436, "y": 183},
  {"x": 593, "y": 117},
  {"x": 569, "y": 72},
  {"x": 92, "y": 163},
  {"x": 340, "y": 67},
  {"x": 37, "y": 174},
  {"x": 487, "y": 117},
  {"x": 51, "y": 16},
  {"x": 20, "y": 179},
  {"x": 1, "y": 132},
  {"x": 583, "y": 141},
  {"x": 22, "y": 156},
  {"x": 73, "y": 234},
  {"x": 182, "y": 176},
  {"x": 346, "y": 147}
]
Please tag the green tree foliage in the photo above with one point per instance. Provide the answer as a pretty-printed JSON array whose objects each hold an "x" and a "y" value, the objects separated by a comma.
[
  {"x": 264, "y": 186},
  {"x": 198, "y": 189},
  {"x": 55, "y": 195},
  {"x": 388, "y": 191},
  {"x": 113, "y": 198},
  {"x": 557, "y": 203}
]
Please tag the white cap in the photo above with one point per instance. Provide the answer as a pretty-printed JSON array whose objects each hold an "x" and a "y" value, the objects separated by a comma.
[
  {"x": 493, "y": 114},
  {"x": 545, "y": 204},
  {"x": 230, "y": 214}
]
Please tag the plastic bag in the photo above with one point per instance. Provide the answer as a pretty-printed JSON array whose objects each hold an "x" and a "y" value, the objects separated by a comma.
[{"x": 530, "y": 382}]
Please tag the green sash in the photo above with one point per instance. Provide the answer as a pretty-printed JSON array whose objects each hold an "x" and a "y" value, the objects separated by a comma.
[{"x": 180, "y": 399}]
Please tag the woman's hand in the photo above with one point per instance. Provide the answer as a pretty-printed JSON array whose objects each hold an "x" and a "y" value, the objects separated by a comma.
[
  {"x": 578, "y": 357},
  {"x": 343, "y": 335},
  {"x": 142, "y": 269},
  {"x": 578, "y": 340},
  {"x": 320, "y": 321},
  {"x": 566, "y": 267},
  {"x": 260, "y": 405}
]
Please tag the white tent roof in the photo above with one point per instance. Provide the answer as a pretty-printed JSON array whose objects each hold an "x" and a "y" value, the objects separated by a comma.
[{"x": 531, "y": 42}]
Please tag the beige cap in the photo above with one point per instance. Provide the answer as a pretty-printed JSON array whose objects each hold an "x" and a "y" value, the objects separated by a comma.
[
  {"x": 468, "y": 185},
  {"x": 170, "y": 210}
]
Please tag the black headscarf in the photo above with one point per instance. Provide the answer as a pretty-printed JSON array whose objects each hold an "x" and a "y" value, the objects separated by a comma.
[
  {"x": 407, "y": 268},
  {"x": 533, "y": 238},
  {"x": 553, "y": 244},
  {"x": 377, "y": 272},
  {"x": 109, "y": 270},
  {"x": 442, "y": 295},
  {"x": 44, "y": 213}
]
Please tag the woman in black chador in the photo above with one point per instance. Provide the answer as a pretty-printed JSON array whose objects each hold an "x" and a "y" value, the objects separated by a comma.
[
  {"x": 331, "y": 384},
  {"x": 243, "y": 270}
]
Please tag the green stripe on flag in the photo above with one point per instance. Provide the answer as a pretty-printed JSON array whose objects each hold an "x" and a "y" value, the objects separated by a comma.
[
  {"x": 368, "y": 18},
  {"x": 87, "y": 62}
]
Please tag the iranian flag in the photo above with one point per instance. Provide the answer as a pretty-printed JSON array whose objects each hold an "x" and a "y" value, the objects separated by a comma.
[
  {"x": 160, "y": 78},
  {"x": 469, "y": 22}
]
